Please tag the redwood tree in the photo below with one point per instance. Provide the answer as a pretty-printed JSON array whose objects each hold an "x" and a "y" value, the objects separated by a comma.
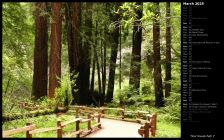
[
  {"x": 40, "y": 76},
  {"x": 113, "y": 57},
  {"x": 168, "y": 51},
  {"x": 74, "y": 49},
  {"x": 86, "y": 56},
  {"x": 134, "y": 80},
  {"x": 55, "y": 54},
  {"x": 159, "y": 102}
]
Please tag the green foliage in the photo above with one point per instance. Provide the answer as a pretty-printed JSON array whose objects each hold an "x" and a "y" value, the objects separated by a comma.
[
  {"x": 64, "y": 91},
  {"x": 172, "y": 108},
  {"x": 46, "y": 102},
  {"x": 166, "y": 129},
  {"x": 123, "y": 94},
  {"x": 18, "y": 39}
]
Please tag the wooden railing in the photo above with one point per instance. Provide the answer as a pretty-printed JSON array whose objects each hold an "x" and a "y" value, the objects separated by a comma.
[
  {"x": 30, "y": 129},
  {"x": 26, "y": 129},
  {"x": 138, "y": 114},
  {"x": 149, "y": 128}
]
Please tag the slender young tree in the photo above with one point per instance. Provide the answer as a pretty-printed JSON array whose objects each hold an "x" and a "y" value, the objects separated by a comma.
[
  {"x": 40, "y": 76},
  {"x": 134, "y": 80},
  {"x": 168, "y": 51},
  {"x": 102, "y": 70},
  {"x": 159, "y": 102},
  {"x": 113, "y": 57},
  {"x": 104, "y": 65},
  {"x": 120, "y": 61},
  {"x": 55, "y": 54}
]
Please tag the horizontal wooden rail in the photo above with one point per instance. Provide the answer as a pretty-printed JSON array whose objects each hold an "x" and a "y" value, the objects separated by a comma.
[
  {"x": 71, "y": 121},
  {"x": 41, "y": 130},
  {"x": 85, "y": 120},
  {"x": 18, "y": 130},
  {"x": 139, "y": 114}
]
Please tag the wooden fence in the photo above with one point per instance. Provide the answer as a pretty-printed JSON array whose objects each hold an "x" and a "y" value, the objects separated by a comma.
[
  {"x": 31, "y": 129},
  {"x": 146, "y": 130},
  {"x": 149, "y": 128},
  {"x": 138, "y": 114},
  {"x": 149, "y": 122}
]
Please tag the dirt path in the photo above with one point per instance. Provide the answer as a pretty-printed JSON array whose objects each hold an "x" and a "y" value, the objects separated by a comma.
[{"x": 115, "y": 128}]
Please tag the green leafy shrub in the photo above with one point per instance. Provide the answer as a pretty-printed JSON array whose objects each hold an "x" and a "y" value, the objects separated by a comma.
[
  {"x": 46, "y": 102},
  {"x": 172, "y": 110},
  {"x": 64, "y": 92}
]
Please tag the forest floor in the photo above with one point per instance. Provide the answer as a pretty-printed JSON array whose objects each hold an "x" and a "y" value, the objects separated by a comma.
[{"x": 116, "y": 128}]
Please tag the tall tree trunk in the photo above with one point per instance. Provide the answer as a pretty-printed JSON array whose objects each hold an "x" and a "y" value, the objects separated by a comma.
[
  {"x": 40, "y": 74},
  {"x": 102, "y": 70},
  {"x": 105, "y": 33},
  {"x": 120, "y": 62},
  {"x": 93, "y": 73},
  {"x": 86, "y": 59},
  {"x": 98, "y": 67},
  {"x": 159, "y": 102},
  {"x": 74, "y": 48},
  {"x": 68, "y": 24},
  {"x": 168, "y": 51},
  {"x": 104, "y": 67},
  {"x": 55, "y": 55},
  {"x": 134, "y": 80},
  {"x": 113, "y": 57}
]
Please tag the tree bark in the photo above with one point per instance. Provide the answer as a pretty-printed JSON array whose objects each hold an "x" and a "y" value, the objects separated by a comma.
[
  {"x": 120, "y": 62},
  {"x": 101, "y": 102},
  {"x": 55, "y": 55},
  {"x": 75, "y": 48},
  {"x": 113, "y": 57},
  {"x": 159, "y": 99},
  {"x": 93, "y": 77},
  {"x": 40, "y": 74},
  {"x": 134, "y": 80},
  {"x": 68, "y": 24},
  {"x": 168, "y": 51},
  {"x": 102, "y": 70},
  {"x": 86, "y": 59}
]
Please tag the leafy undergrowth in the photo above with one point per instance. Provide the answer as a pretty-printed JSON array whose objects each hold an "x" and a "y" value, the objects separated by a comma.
[
  {"x": 167, "y": 129},
  {"x": 43, "y": 122}
]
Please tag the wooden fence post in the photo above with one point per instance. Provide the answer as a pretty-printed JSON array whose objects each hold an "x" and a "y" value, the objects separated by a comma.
[
  {"x": 77, "y": 128},
  {"x": 28, "y": 135},
  {"x": 59, "y": 131},
  {"x": 98, "y": 120},
  {"x": 77, "y": 113},
  {"x": 146, "y": 127},
  {"x": 103, "y": 111},
  {"x": 122, "y": 114},
  {"x": 153, "y": 124},
  {"x": 138, "y": 115},
  {"x": 89, "y": 122}
]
